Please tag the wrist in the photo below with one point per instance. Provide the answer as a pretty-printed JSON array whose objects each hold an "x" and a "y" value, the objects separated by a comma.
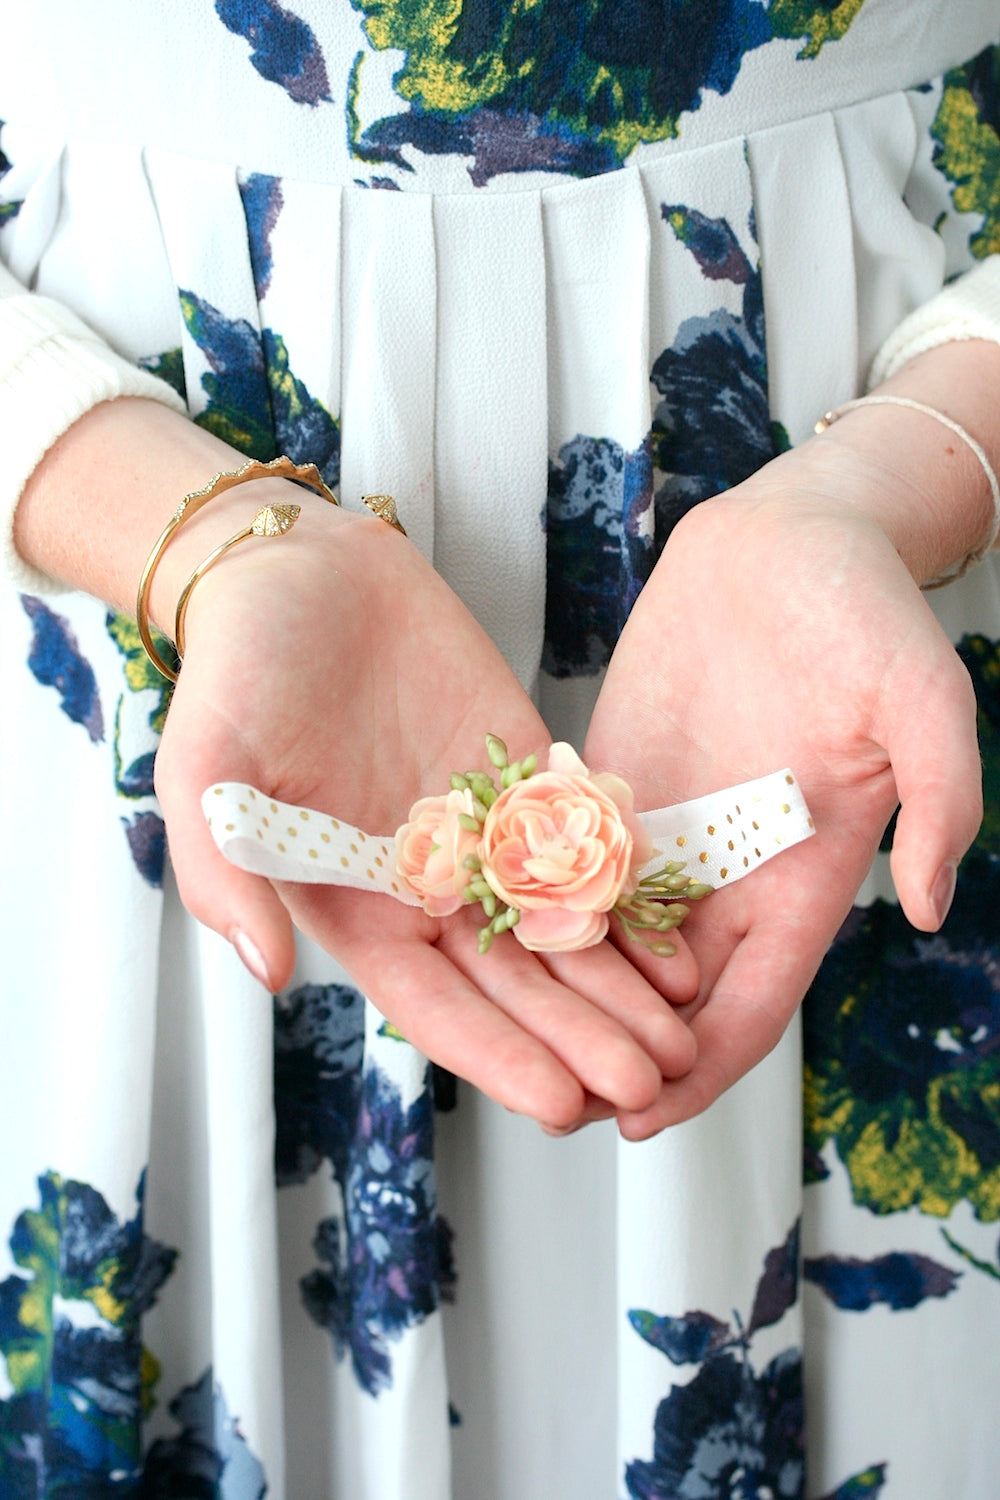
[
  {"x": 923, "y": 483},
  {"x": 228, "y": 516}
]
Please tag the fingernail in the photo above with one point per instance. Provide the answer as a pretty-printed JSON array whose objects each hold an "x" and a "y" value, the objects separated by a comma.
[
  {"x": 251, "y": 956},
  {"x": 943, "y": 890}
]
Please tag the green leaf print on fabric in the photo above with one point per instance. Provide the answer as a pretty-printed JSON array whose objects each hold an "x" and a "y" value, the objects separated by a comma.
[
  {"x": 255, "y": 402},
  {"x": 140, "y": 674},
  {"x": 134, "y": 746},
  {"x": 9, "y": 207},
  {"x": 988, "y": 1268},
  {"x": 902, "y": 1028},
  {"x": 79, "y": 1378},
  {"x": 168, "y": 366},
  {"x": 901, "y": 1033},
  {"x": 864, "y": 1486},
  {"x": 967, "y": 145},
  {"x": 817, "y": 24}
]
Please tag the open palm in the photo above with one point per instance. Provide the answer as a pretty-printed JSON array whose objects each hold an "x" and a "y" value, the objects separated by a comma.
[
  {"x": 803, "y": 642},
  {"x": 358, "y": 686}
]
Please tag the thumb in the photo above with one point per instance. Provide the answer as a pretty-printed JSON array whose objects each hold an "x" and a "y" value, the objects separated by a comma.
[
  {"x": 245, "y": 909},
  {"x": 938, "y": 773}
]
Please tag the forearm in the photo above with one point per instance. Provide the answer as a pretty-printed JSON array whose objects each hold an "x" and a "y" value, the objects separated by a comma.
[{"x": 100, "y": 497}]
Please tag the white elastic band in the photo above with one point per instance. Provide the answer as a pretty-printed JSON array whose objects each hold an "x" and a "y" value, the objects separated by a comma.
[
  {"x": 720, "y": 838},
  {"x": 939, "y": 416}
]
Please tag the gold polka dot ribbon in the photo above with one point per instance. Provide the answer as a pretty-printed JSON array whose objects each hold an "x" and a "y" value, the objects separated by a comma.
[{"x": 720, "y": 837}]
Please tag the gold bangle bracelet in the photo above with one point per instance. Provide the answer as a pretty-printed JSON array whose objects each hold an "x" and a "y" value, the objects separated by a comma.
[
  {"x": 272, "y": 520},
  {"x": 280, "y": 468}
]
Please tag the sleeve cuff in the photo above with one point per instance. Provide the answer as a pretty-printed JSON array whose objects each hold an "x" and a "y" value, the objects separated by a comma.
[
  {"x": 968, "y": 308},
  {"x": 53, "y": 369}
]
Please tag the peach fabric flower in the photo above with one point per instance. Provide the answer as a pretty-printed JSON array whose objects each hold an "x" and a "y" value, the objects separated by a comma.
[
  {"x": 562, "y": 846},
  {"x": 431, "y": 848}
]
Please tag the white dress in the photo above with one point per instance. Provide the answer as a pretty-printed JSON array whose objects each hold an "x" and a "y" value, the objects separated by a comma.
[{"x": 550, "y": 275}]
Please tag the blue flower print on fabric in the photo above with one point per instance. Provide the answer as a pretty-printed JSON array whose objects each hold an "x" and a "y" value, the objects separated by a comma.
[
  {"x": 901, "y": 1033},
  {"x": 254, "y": 400},
  {"x": 712, "y": 428},
  {"x": 55, "y": 660},
  {"x": 262, "y": 203},
  {"x": 728, "y": 1432},
  {"x": 80, "y": 1381},
  {"x": 209, "y": 1459},
  {"x": 319, "y": 1052},
  {"x": 386, "y": 1260},
  {"x": 558, "y": 85},
  {"x": 898, "y": 1280},
  {"x": 597, "y": 555},
  {"x": 390, "y": 1264},
  {"x": 732, "y": 1433},
  {"x": 9, "y": 207},
  {"x": 146, "y": 833},
  {"x": 283, "y": 48}
]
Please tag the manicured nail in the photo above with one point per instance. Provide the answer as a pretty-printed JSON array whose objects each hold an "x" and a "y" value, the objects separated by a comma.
[
  {"x": 251, "y": 956},
  {"x": 943, "y": 890}
]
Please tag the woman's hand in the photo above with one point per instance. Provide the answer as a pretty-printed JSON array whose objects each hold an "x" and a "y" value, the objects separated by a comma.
[
  {"x": 334, "y": 668},
  {"x": 805, "y": 642}
]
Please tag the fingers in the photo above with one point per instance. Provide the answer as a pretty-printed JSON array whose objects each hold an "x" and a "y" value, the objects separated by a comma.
[
  {"x": 675, "y": 978},
  {"x": 935, "y": 760},
  {"x": 627, "y": 986},
  {"x": 743, "y": 1019},
  {"x": 582, "y": 1007},
  {"x": 534, "y": 1039},
  {"x": 594, "y": 1111},
  {"x": 759, "y": 948},
  {"x": 390, "y": 952}
]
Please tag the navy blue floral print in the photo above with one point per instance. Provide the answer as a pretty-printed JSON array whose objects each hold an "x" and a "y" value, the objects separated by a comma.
[
  {"x": 209, "y": 1459},
  {"x": 728, "y": 1434},
  {"x": 712, "y": 427},
  {"x": 284, "y": 49},
  {"x": 562, "y": 86},
  {"x": 262, "y": 203},
  {"x": 254, "y": 400},
  {"x": 72, "y": 1423},
  {"x": 386, "y": 1262},
  {"x": 597, "y": 556},
  {"x": 55, "y": 661},
  {"x": 901, "y": 1033}
]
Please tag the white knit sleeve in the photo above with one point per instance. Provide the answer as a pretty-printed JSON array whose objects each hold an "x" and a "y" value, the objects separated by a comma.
[
  {"x": 968, "y": 308},
  {"x": 53, "y": 369}
]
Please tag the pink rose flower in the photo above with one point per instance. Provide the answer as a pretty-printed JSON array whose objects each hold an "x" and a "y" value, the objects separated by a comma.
[
  {"x": 431, "y": 848},
  {"x": 562, "y": 846}
]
